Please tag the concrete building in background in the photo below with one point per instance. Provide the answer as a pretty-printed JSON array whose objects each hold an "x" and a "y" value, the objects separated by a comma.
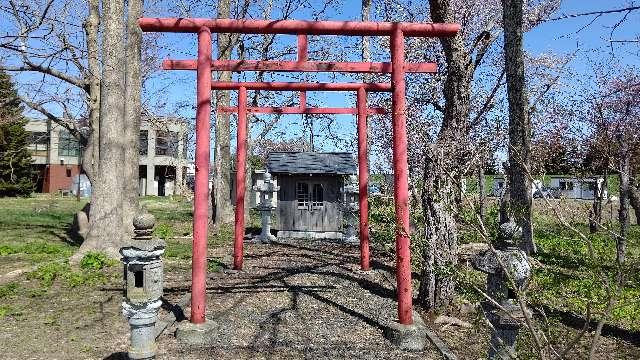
[
  {"x": 163, "y": 157},
  {"x": 162, "y": 166},
  {"x": 55, "y": 153}
]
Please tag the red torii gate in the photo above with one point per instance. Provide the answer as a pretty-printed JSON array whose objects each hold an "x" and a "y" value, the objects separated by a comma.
[{"x": 204, "y": 66}]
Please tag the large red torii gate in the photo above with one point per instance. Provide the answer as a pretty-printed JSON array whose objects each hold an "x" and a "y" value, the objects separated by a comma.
[{"x": 204, "y": 66}]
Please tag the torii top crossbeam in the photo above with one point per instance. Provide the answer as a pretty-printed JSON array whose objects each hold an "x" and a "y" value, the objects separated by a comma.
[
  {"x": 295, "y": 27},
  {"x": 204, "y": 65}
]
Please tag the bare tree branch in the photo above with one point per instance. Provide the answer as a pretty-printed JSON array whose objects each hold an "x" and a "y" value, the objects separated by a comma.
[
  {"x": 598, "y": 13},
  {"x": 30, "y": 66}
]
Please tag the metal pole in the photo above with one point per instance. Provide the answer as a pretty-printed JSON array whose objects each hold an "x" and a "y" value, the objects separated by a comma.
[
  {"x": 363, "y": 179},
  {"x": 241, "y": 162},
  {"x": 201, "y": 197},
  {"x": 400, "y": 178}
]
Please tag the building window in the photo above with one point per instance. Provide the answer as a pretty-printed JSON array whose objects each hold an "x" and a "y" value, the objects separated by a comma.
[
  {"x": 317, "y": 199},
  {"x": 167, "y": 143},
  {"x": 39, "y": 143},
  {"x": 143, "y": 140},
  {"x": 302, "y": 194},
  {"x": 566, "y": 185},
  {"x": 67, "y": 144}
]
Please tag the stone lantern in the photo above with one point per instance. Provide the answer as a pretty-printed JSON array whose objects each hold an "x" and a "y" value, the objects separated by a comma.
[
  {"x": 508, "y": 271},
  {"x": 351, "y": 207},
  {"x": 143, "y": 274},
  {"x": 266, "y": 190}
]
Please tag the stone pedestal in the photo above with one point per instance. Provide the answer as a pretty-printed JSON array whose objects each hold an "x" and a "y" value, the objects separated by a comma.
[{"x": 142, "y": 322}]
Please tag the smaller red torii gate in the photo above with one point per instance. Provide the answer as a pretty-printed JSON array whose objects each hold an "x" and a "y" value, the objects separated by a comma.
[
  {"x": 204, "y": 66},
  {"x": 361, "y": 111}
]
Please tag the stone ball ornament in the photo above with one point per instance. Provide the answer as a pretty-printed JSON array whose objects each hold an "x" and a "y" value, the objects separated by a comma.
[
  {"x": 144, "y": 221},
  {"x": 509, "y": 233}
]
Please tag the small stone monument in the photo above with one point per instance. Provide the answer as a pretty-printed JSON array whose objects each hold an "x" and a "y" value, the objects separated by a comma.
[
  {"x": 266, "y": 190},
  {"x": 143, "y": 273},
  {"x": 507, "y": 271},
  {"x": 351, "y": 207}
]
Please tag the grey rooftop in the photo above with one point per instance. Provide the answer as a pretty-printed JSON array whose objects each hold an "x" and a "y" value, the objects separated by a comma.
[{"x": 334, "y": 163}]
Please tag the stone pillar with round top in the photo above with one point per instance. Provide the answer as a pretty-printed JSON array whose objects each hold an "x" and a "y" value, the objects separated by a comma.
[{"x": 143, "y": 279}]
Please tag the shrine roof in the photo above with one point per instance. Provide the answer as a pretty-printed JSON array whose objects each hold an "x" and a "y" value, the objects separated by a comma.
[{"x": 332, "y": 163}]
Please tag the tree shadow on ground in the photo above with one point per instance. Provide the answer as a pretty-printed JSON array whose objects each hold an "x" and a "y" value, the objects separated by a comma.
[
  {"x": 117, "y": 356},
  {"x": 375, "y": 264},
  {"x": 577, "y": 322}
]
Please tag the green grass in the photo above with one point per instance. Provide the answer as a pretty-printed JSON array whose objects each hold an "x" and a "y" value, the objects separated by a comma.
[
  {"x": 90, "y": 272},
  {"x": 178, "y": 250},
  {"x": 8, "y": 290},
  {"x": 572, "y": 280},
  {"x": 36, "y": 219}
]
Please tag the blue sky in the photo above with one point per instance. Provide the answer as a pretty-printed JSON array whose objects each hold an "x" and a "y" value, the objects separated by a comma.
[
  {"x": 588, "y": 40},
  {"x": 588, "y": 34}
]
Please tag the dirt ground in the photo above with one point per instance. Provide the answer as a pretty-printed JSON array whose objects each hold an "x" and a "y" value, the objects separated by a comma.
[
  {"x": 297, "y": 300},
  {"x": 292, "y": 301}
]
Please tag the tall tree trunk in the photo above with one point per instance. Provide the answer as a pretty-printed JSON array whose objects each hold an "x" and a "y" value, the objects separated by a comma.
[
  {"x": 436, "y": 290},
  {"x": 106, "y": 230},
  {"x": 623, "y": 212},
  {"x": 222, "y": 207},
  {"x": 440, "y": 255},
  {"x": 519, "y": 123},
  {"x": 133, "y": 84},
  {"x": 92, "y": 147}
]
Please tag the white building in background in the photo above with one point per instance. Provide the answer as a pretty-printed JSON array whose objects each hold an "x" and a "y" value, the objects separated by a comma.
[
  {"x": 567, "y": 186},
  {"x": 577, "y": 188}
]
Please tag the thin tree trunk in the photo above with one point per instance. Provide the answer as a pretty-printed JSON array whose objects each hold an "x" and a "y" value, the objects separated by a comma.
[
  {"x": 92, "y": 146},
  {"x": 519, "y": 123},
  {"x": 482, "y": 198},
  {"x": 133, "y": 84},
  {"x": 634, "y": 198},
  {"x": 623, "y": 211},
  {"x": 595, "y": 214},
  {"x": 222, "y": 207},
  {"x": 106, "y": 230},
  {"x": 366, "y": 48}
]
